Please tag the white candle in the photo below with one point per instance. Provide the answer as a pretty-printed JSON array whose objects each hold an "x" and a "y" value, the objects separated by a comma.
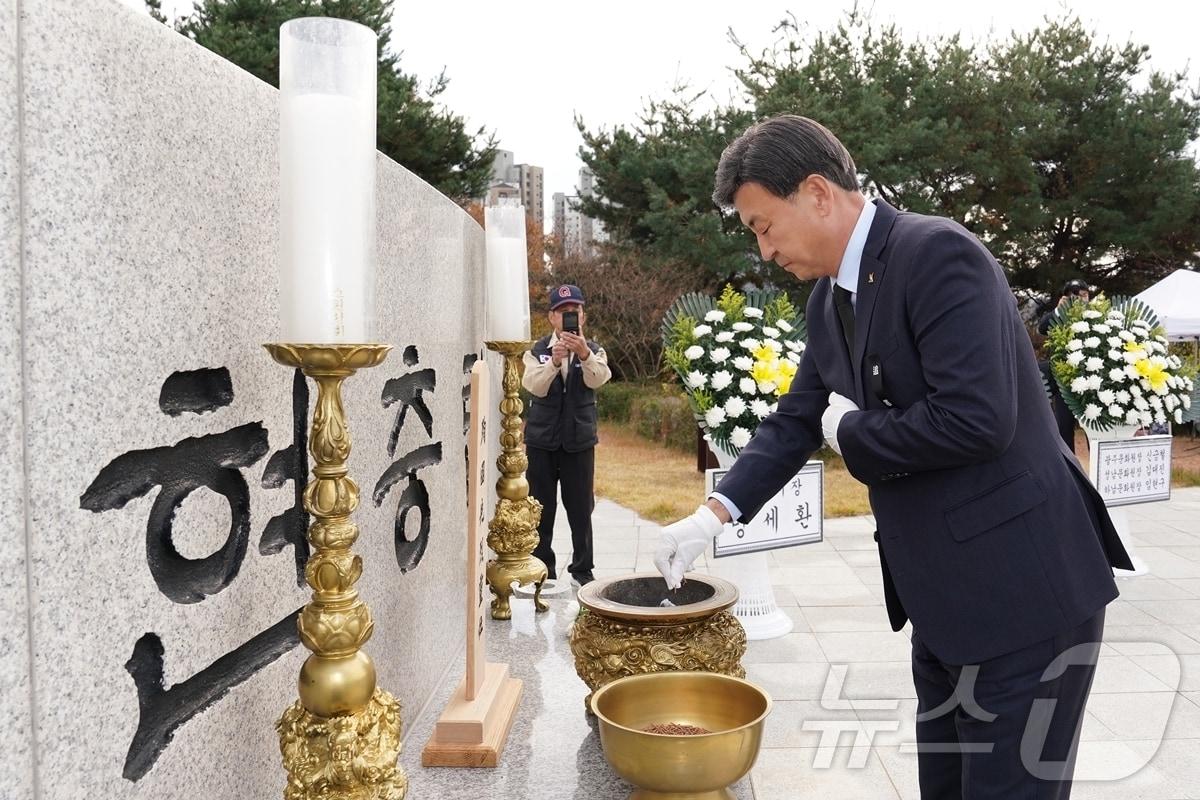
[
  {"x": 327, "y": 74},
  {"x": 507, "y": 273}
]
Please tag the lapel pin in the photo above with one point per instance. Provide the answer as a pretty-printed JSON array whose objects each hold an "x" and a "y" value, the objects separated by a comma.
[{"x": 870, "y": 277}]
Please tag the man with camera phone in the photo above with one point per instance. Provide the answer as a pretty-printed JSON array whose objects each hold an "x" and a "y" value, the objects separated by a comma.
[{"x": 562, "y": 372}]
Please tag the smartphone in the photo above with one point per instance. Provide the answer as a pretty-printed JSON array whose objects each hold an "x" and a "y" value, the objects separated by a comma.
[{"x": 570, "y": 322}]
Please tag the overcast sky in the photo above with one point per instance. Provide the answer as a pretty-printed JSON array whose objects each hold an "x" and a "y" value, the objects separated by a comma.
[{"x": 524, "y": 69}]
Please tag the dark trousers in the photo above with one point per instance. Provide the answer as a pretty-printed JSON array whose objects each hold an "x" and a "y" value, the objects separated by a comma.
[
  {"x": 574, "y": 472},
  {"x": 1009, "y": 727}
]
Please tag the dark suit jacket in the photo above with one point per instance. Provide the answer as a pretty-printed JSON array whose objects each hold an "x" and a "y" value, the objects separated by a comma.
[{"x": 990, "y": 534}]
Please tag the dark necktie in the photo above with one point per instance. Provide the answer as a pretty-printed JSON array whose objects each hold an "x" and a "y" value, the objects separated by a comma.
[{"x": 845, "y": 310}]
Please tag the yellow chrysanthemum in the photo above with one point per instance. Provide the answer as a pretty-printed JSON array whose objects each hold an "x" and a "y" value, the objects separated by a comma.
[
  {"x": 785, "y": 382},
  {"x": 765, "y": 371},
  {"x": 786, "y": 368},
  {"x": 1131, "y": 347},
  {"x": 1152, "y": 372},
  {"x": 764, "y": 353}
]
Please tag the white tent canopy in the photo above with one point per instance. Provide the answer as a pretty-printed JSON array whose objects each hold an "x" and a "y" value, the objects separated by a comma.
[{"x": 1176, "y": 301}]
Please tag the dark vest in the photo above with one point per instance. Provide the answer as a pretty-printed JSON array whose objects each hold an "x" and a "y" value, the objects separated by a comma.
[{"x": 566, "y": 417}]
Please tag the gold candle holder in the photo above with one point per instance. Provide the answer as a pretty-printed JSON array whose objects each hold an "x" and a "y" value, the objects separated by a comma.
[
  {"x": 513, "y": 533},
  {"x": 341, "y": 739}
]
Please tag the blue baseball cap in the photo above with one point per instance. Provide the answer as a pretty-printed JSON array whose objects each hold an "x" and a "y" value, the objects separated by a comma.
[{"x": 567, "y": 293}]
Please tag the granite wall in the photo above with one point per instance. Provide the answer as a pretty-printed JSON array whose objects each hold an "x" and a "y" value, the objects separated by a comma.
[{"x": 151, "y": 447}]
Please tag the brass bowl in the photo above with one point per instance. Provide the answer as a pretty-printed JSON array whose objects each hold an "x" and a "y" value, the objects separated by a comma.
[{"x": 664, "y": 766}]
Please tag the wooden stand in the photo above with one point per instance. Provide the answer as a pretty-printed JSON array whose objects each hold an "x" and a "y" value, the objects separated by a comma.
[
  {"x": 471, "y": 733},
  {"x": 472, "y": 730}
]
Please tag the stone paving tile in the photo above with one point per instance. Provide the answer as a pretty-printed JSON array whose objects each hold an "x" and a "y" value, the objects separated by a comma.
[
  {"x": 790, "y": 649},
  {"x": 834, "y": 594},
  {"x": 820, "y": 773},
  {"x": 846, "y": 647},
  {"x": 825, "y": 619}
]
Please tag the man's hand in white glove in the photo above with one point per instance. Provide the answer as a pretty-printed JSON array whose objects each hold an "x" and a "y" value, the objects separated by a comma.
[
  {"x": 838, "y": 407},
  {"x": 682, "y": 542}
]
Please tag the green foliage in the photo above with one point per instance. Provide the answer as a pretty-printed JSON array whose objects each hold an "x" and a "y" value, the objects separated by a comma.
[
  {"x": 733, "y": 303},
  {"x": 411, "y": 127},
  {"x": 1062, "y": 152},
  {"x": 665, "y": 418},
  {"x": 614, "y": 400}
]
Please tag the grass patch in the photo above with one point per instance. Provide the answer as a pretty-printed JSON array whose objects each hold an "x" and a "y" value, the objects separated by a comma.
[
  {"x": 662, "y": 484},
  {"x": 1182, "y": 477}
]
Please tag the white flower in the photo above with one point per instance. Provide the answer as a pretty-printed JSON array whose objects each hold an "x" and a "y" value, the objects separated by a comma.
[
  {"x": 1075, "y": 358},
  {"x": 1122, "y": 395},
  {"x": 1186, "y": 400},
  {"x": 1115, "y": 355},
  {"x": 1107, "y": 396},
  {"x": 739, "y": 437},
  {"x": 1094, "y": 382},
  {"x": 1079, "y": 385},
  {"x": 1091, "y": 341},
  {"x": 744, "y": 363},
  {"x": 773, "y": 344},
  {"x": 1080, "y": 327},
  {"x": 772, "y": 332},
  {"x": 767, "y": 387},
  {"x": 752, "y": 312},
  {"x": 719, "y": 354},
  {"x": 794, "y": 357},
  {"x": 1091, "y": 412},
  {"x": 1135, "y": 389},
  {"x": 1126, "y": 335},
  {"x": 1140, "y": 404},
  {"x": 795, "y": 347},
  {"x": 1131, "y": 372},
  {"x": 774, "y": 407},
  {"x": 1100, "y": 327},
  {"x": 1116, "y": 412},
  {"x": 760, "y": 408},
  {"x": 702, "y": 330},
  {"x": 1146, "y": 417},
  {"x": 1134, "y": 356},
  {"x": 1093, "y": 364},
  {"x": 1116, "y": 375},
  {"x": 721, "y": 379},
  {"x": 714, "y": 416},
  {"x": 694, "y": 352},
  {"x": 716, "y": 315},
  {"x": 1156, "y": 402},
  {"x": 725, "y": 336},
  {"x": 735, "y": 407},
  {"x": 784, "y": 325},
  {"x": 1160, "y": 417},
  {"x": 1091, "y": 313},
  {"x": 751, "y": 344},
  {"x": 748, "y": 386},
  {"x": 1132, "y": 417},
  {"x": 742, "y": 327},
  {"x": 696, "y": 379},
  {"x": 1074, "y": 344},
  {"x": 1114, "y": 341},
  {"x": 1178, "y": 416},
  {"x": 1171, "y": 402}
]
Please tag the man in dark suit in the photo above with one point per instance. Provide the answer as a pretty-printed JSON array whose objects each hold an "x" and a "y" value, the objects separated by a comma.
[{"x": 920, "y": 373}]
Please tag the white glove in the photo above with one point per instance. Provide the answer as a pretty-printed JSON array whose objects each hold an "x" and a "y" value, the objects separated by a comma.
[
  {"x": 838, "y": 407},
  {"x": 682, "y": 542}
]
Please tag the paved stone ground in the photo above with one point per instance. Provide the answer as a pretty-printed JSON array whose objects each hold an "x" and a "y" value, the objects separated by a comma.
[{"x": 1141, "y": 735}]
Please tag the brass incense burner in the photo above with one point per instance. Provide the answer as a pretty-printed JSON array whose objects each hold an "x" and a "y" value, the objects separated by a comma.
[
  {"x": 625, "y": 629},
  {"x": 663, "y": 766}
]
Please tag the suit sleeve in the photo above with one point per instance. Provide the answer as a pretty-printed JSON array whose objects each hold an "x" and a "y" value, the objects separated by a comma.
[
  {"x": 961, "y": 318},
  {"x": 781, "y": 445}
]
